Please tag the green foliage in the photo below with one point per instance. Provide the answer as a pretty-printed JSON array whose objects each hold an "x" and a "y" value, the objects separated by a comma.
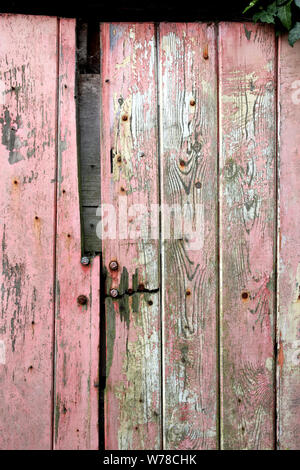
[
  {"x": 280, "y": 13},
  {"x": 294, "y": 34}
]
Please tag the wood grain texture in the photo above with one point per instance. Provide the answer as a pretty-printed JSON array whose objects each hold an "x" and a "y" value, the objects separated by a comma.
[
  {"x": 288, "y": 324},
  {"x": 132, "y": 402},
  {"x": 247, "y": 225},
  {"x": 76, "y": 326},
  {"x": 188, "y": 101},
  {"x": 27, "y": 151}
]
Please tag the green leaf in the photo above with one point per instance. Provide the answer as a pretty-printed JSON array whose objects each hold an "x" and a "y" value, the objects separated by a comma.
[
  {"x": 272, "y": 9},
  {"x": 285, "y": 16},
  {"x": 294, "y": 34},
  {"x": 263, "y": 16},
  {"x": 251, "y": 5},
  {"x": 297, "y": 2}
]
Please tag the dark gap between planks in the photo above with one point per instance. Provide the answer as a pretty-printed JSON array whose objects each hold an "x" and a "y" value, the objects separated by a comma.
[{"x": 88, "y": 122}]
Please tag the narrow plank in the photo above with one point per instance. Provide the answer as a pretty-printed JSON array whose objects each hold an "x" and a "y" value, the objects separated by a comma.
[
  {"x": 90, "y": 221},
  {"x": 129, "y": 131},
  {"x": 288, "y": 373},
  {"x": 76, "y": 326},
  {"x": 188, "y": 91},
  {"x": 89, "y": 138},
  {"x": 27, "y": 122},
  {"x": 247, "y": 233}
]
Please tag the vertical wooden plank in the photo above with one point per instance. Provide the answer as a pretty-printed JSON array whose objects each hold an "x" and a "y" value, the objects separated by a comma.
[
  {"x": 188, "y": 91},
  {"x": 289, "y": 248},
  {"x": 129, "y": 174},
  {"x": 27, "y": 151},
  {"x": 77, "y": 326},
  {"x": 247, "y": 226}
]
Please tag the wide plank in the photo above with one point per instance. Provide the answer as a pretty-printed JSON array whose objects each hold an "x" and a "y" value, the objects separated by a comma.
[
  {"x": 129, "y": 177},
  {"x": 28, "y": 71},
  {"x": 288, "y": 323},
  {"x": 247, "y": 97},
  {"x": 188, "y": 162}
]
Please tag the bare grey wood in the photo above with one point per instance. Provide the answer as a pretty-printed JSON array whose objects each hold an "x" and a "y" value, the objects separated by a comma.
[
  {"x": 89, "y": 156},
  {"x": 89, "y": 138},
  {"x": 90, "y": 220}
]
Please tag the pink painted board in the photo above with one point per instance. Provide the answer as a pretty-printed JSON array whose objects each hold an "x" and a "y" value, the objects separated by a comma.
[
  {"x": 129, "y": 177},
  {"x": 188, "y": 150},
  {"x": 76, "y": 378},
  {"x": 28, "y": 72},
  {"x": 288, "y": 323},
  {"x": 247, "y": 96}
]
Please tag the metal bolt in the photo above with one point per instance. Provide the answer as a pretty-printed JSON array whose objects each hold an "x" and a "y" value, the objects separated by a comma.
[
  {"x": 113, "y": 266},
  {"x": 82, "y": 299},
  {"x": 85, "y": 260},
  {"x": 114, "y": 293}
]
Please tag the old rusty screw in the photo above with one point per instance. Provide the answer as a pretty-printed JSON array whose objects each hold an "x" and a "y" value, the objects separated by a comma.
[
  {"x": 119, "y": 159},
  {"x": 85, "y": 260},
  {"x": 192, "y": 102},
  {"x": 114, "y": 293},
  {"x": 198, "y": 184},
  {"x": 124, "y": 117},
  {"x": 113, "y": 266},
  {"x": 82, "y": 300}
]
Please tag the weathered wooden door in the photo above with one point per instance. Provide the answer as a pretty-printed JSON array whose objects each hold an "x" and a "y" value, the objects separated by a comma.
[
  {"x": 199, "y": 156},
  {"x": 202, "y": 328}
]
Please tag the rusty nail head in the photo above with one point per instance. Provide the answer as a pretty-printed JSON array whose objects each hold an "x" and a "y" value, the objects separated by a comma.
[
  {"x": 245, "y": 295},
  {"x": 192, "y": 102},
  {"x": 113, "y": 266},
  {"x": 114, "y": 293},
  {"x": 82, "y": 300},
  {"x": 119, "y": 158},
  {"x": 205, "y": 52},
  {"x": 85, "y": 260}
]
